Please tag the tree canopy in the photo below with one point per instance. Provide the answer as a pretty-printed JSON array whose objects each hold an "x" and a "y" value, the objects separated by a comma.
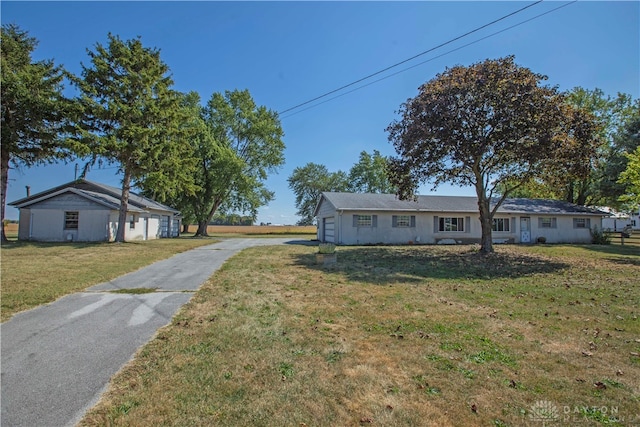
[
  {"x": 490, "y": 125},
  {"x": 591, "y": 178},
  {"x": 239, "y": 145},
  {"x": 132, "y": 116},
  {"x": 35, "y": 114},
  {"x": 367, "y": 175},
  {"x": 308, "y": 182}
]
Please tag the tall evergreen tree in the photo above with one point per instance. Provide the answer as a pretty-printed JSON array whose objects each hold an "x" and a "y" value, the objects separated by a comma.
[
  {"x": 132, "y": 118},
  {"x": 35, "y": 114}
]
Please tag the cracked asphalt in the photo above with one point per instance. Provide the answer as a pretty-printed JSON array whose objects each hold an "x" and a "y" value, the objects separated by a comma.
[{"x": 57, "y": 359}]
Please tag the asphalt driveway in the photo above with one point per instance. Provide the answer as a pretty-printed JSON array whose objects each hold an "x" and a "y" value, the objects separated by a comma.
[{"x": 57, "y": 359}]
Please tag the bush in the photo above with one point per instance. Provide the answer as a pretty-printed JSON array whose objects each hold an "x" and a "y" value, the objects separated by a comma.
[
  {"x": 600, "y": 237},
  {"x": 326, "y": 248}
]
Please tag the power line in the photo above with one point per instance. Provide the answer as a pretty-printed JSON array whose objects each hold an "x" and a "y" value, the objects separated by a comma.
[
  {"x": 409, "y": 59},
  {"x": 430, "y": 59}
]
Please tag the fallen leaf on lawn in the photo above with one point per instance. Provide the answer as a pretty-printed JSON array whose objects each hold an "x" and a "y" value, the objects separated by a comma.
[
  {"x": 587, "y": 354},
  {"x": 600, "y": 385}
]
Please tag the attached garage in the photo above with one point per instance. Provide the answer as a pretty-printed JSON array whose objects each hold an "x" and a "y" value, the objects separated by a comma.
[{"x": 328, "y": 229}]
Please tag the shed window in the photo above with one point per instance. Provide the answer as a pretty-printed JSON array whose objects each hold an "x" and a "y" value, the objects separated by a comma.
[
  {"x": 451, "y": 224},
  {"x": 403, "y": 221},
  {"x": 500, "y": 224},
  {"x": 547, "y": 222},
  {"x": 581, "y": 222},
  {"x": 71, "y": 220}
]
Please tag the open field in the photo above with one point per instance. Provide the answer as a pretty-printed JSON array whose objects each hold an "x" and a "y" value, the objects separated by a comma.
[
  {"x": 37, "y": 273},
  {"x": 257, "y": 230},
  {"x": 396, "y": 336}
]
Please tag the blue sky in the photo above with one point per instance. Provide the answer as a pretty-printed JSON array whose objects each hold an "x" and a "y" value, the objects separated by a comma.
[{"x": 286, "y": 53}]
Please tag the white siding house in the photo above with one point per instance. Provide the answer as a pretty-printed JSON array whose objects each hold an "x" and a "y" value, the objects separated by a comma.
[
  {"x": 86, "y": 211},
  {"x": 358, "y": 219}
]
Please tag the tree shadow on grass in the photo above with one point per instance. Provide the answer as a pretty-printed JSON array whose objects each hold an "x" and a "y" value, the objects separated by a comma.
[{"x": 382, "y": 265}]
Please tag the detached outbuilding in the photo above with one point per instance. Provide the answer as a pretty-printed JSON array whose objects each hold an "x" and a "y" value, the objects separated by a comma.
[
  {"x": 87, "y": 211},
  {"x": 357, "y": 219}
]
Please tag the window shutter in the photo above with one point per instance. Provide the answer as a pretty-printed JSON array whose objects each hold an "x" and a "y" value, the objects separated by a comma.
[
  {"x": 539, "y": 222},
  {"x": 575, "y": 222},
  {"x": 435, "y": 224},
  {"x": 554, "y": 224},
  {"x": 467, "y": 224},
  {"x": 413, "y": 220},
  {"x": 394, "y": 221},
  {"x": 588, "y": 223},
  {"x": 513, "y": 225},
  {"x": 374, "y": 220},
  {"x": 355, "y": 220}
]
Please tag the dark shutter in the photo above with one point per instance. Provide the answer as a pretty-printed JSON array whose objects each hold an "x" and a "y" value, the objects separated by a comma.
[
  {"x": 467, "y": 224},
  {"x": 413, "y": 220},
  {"x": 513, "y": 225},
  {"x": 435, "y": 224},
  {"x": 394, "y": 221},
  {"x": 355, "y": 220},
  {"x": 588, "y": 223},
  {"x": 374, "y": 220},
  {"x": 554, "y": 223}
]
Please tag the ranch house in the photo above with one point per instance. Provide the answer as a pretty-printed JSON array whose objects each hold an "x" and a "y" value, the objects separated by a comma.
[{"x": 358, "y": 219}]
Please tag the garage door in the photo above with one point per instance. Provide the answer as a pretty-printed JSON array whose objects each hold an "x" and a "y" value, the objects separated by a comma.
[{"x": 328, "y": 229}]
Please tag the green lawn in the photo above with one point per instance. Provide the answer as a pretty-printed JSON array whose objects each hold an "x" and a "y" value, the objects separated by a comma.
[
  {"x": 38, "y": 273},
  {"x": 396, "y": 336}
]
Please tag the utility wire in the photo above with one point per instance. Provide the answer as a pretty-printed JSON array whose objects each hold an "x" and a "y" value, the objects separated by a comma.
[
  {"x": 409, "y": 59},
  {"x": 429, "y": 60}
]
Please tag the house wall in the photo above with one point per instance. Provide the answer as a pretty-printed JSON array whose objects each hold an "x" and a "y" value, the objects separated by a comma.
[
  {"x": 147, "y": 226},
  {"x": 47, "y": 225},
  {"x": 426, "y": 229}
]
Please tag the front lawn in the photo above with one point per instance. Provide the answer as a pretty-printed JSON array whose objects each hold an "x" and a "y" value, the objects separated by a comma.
[
  {"x": 38, "y": 273},
  {"x": 396, "y": 336}
]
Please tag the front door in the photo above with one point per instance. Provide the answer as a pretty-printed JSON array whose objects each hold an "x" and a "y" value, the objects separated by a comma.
[{"x": 525, "y": 229}]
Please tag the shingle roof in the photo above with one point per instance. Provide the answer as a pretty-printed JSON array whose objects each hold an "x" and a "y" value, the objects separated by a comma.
[
  {"x": 390, "y": 202},
  {"x": 106, "y": 194}
]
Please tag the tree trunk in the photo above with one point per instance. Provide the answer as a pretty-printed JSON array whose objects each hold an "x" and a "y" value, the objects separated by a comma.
[
  {"x": 202, "y": 229},
  {"x": 185, "y": 227},
  {"x": 486, "y": 242},
  {"x": 202, "y": 225},
  {"x": 5, "y": 181},
  {"x": 124, "y": 202}
]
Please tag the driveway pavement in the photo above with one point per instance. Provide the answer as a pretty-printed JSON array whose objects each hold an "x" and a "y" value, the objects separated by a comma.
[{"x": 57, "y": 359}]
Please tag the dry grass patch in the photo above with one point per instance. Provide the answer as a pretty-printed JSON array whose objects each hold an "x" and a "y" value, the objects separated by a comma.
[
  {"x": 38, "y": 273},
  {"x": 393, "y": 336}
]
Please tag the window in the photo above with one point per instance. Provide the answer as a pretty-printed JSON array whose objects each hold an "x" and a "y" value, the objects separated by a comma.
[
  {"x": 581, "y": 223},
  {"x": 71, "y": 220},
  {"x": 451, "y": 224},
  {"x": 365, "y": 220},
  {"x": 547, "y": 222},
  {"x": 500, "y": 224},
  {"x": 403, "y": 221},
  {"x": 132, "y": 222}
]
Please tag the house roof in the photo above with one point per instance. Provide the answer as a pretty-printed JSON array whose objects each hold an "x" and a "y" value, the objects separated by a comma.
[
  {"x": 100, "y": 193},
  {"x": 462, "y": 204}
]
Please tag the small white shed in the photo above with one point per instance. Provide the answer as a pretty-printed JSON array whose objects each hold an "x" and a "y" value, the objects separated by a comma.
[{"x": 87, "y": 211}]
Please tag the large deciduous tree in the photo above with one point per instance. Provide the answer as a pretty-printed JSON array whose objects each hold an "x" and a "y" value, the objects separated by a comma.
[
  {"x": 308, "y": 182},
  {"x": 35, "y": 114},
  {"x": 241, "y": 146},
  {"x": 132, "y": 117},
  {"x": 485, "y": 125}
]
